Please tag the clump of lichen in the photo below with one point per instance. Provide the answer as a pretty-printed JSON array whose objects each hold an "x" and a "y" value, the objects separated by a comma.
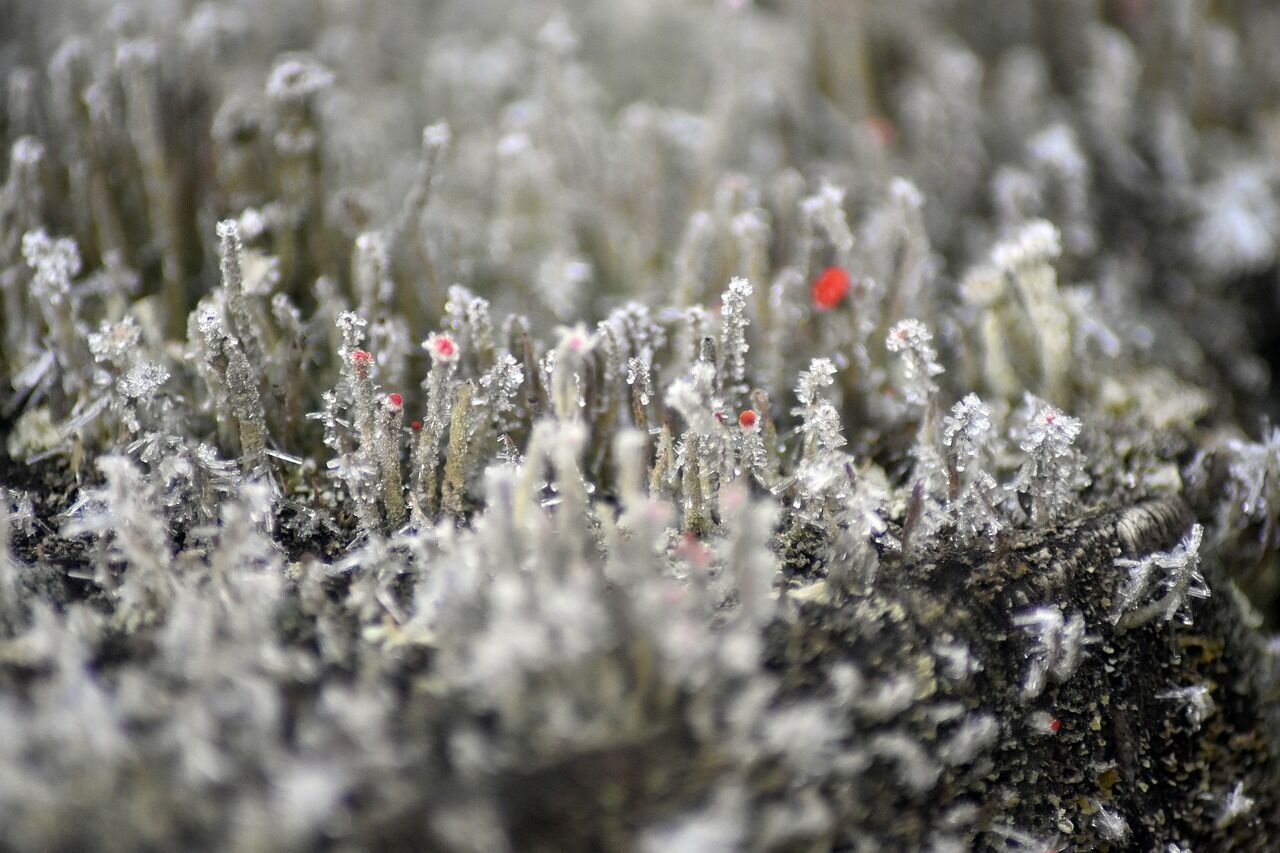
[{"x": 560, "y": 425}]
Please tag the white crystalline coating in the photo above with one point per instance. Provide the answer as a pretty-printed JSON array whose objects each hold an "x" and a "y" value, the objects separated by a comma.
[
  {"x": 252, "y": 223},
  {"x": 1235, "y": 805},
  {"x": 115, "y": 342},
  {"x": 142, "y": 380},
  {"x": 1111, "y": 825},
  {"x": 351, "y": 326},
  {"x": 826, "y": 208},
  {"x": 1196, "y": 702},
  {"x": 1239, "y": 222},
  {"x": 1056, "y": 647},
  {"x": 821, "y": 374},
  {"x": 1036, "y": 243},
  {"x": 55, "y": 261},
  {"x": 1051, "y": 432},
  {"x": 638, "y": 375},
  {"x": 27, "y": 151},
  {"x": 297, "y": 77},
  {"x": 970, "y": 421},
  {"x": 437, "y": 135},
  {"x": 906, "y": 193},
  {"x": 967, "y": 430},
  {"x": 733, "y": 341},
  {"x": 1172, "y": 575},
  {"x": 913, "y": 340},
  {"x": 500, "y": 383}
]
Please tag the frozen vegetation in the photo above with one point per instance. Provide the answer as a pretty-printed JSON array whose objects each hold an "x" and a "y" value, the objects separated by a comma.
[{"x": 655, "y": 425}]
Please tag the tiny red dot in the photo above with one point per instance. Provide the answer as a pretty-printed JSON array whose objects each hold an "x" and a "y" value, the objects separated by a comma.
[
  {"x": 1054, "y": 725},
  {"x": 361, "y": 355},
  {"x": 415, "y": 425},
  {"x": 747, "y": 419},
  {"x": 884, "y": 130},
  {"x": 830, "y": 288},
  {"x": 395, "y": 400}
]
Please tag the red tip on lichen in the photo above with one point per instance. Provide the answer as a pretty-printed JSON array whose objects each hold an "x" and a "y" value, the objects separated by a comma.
[
  {"x": 747, "y": 419},
  {"x": 395, "y": 400},
  {"x": 415, "y": 425},
  {"x": 442, "y": 348},
  {"x": 830, "y": 288},
  {"x": 1055, "y": 725},
  {"x": 884, "y": 130},
  {"x": 360, "y": 361}
]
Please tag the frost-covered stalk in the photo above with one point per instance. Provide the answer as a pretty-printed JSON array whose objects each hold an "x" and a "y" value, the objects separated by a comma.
[
  {"x": 453, "y": 489},
  {"x": 972, "y": 492},
  {"x": 390, "y": 424},
  {"x": 55, "y": 263},
  {"x": 700, "y": 453},
  {"x": 138, "y": 65},
  {"x": 1054, "y": 470},
  {"x": 243, "y": 322},
  {"x": 641, "y": 520},
  {"x": 691, "y": 258},
  {"x": 444, "y": 354},
  {"x": 21, "y": 203},
  {"x": 1027, "y": 259},
  {"x": 1176, "y": 573},
  {"x": 572, "y": 509},
  {"x": 751, "y": 234},
  {"x": 473, "y": 316},
  {"x": 371, "y": 273},
  {"x": 569, "y": 361},
  {"x": 226, "y": 359},
  {"x": 820, "y": 420},
  {"x": 10, "y": 602},
  {"x": 913, "y": 342},
  {"x": 746, "y": 552},
  {"x": 749, "y": 447},
  {"x": 733, "y": 339},
  {"x": 362, "y": 400},
  {"x": 825, "y": 210},
  {"x": 404, "y": 238},
  {"x": 966, "y": 432}
]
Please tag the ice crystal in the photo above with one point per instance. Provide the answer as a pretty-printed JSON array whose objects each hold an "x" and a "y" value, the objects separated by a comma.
[
  {"x": 142, "y": 380},
  {"x": 733, "y": 340},
  {"x": 1158, "y": 585},
  {"x": 966, "y": 431},
  {"x": 914, "y": 343},
  {"x": 1056, "y": 649},
  {"x": 56, "y": 262},
  {"x": 1053, "y": 470},
  {"x": 1195, "y": 701}
]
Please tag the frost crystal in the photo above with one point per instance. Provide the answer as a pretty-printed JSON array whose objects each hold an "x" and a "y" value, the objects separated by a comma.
[
  {"x": 914, "y": 342},
  {"x": 638, "y": 377},
  {"x": 966, "y": 430},
  {"x": 1054, "y": 469},
  {"x": 55, "y": 261},
  {"x": 733, "y": 340},
  {"x": 297, "y": 78},
  {"x": 142, "y": 380},
  {"x": 1175, "y": 573},
  {"x": 1037, "y": 243},
  {"x": 1111, "y": 825},
  {"x": 116, "y": 343},
  {"x": 1196, "y": 702},
  {"x": 1056, "y": 648}
]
